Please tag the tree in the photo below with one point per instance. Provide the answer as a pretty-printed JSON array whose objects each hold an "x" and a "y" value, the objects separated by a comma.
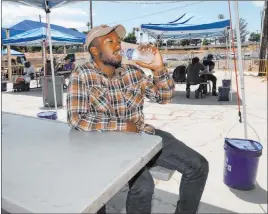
[
  {"x": 73, "y": 29},
  {"x": 221, "y": 16},
  {"x": 243, "y": 29},
  {"x": 185, "y": 42},
  {"x": 88, "y": 26},
  {"x": 34, "y": 49},
  {"x": 170, "y": 42},
  {"x": 205, "y": 42},
  {"x": 130, "y": 38},
  {"x": 254, "y": 37}
]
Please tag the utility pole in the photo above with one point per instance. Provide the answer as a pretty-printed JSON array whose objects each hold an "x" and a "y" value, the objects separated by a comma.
[
  {"x": 264, "y": 39},
  {"x": 90, "y": 11}
]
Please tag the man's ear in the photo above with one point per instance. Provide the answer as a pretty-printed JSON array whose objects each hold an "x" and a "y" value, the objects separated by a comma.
[{"x": 94, "y": 51}]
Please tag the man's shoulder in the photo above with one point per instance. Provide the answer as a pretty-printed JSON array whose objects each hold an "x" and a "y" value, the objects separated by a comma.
[
  {"x": 87, "y": 67},
  {"x": 88, "y": 74}
]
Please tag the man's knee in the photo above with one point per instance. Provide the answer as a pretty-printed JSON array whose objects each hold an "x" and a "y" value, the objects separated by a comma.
[
  {"x": 200, "y": 167},
  {"x": 204, "y": 165},
  {"x": 142, "y": 185}
]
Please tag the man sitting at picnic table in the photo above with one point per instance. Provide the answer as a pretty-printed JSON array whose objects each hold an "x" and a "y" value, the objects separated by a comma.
[
  {"x": 193, "y": 73},
  {"x": 107, "y": 96},
  {"x": 208, "y": 63}
]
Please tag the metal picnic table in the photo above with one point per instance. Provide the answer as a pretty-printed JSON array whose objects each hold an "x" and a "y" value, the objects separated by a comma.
[{"x": 46, "y": 168}]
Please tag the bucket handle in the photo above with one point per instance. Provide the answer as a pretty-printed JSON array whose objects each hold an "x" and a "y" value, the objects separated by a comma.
[{"x": 251, "y": 128}]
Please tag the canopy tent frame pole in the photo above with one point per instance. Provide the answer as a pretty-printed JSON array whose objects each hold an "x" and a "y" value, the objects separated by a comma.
[
  {"x": 44, "y": 56},
  {"x": 51, "y": 56},
  {"x": 9, "y": 69},
  {"x": 160, "y": 37},
  {"x": 228, "y": 46},
  {"x": 241, "y": 71}
]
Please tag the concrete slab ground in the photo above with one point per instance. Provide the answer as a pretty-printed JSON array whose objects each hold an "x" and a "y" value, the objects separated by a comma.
[{"x": 202, "y": 124}]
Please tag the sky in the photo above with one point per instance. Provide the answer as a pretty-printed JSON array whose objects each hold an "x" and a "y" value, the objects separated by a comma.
[{"x": 76, "y": 15}]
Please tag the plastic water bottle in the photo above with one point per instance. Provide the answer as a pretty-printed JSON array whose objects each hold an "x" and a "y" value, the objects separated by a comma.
[{"x": 134, "y": 54}]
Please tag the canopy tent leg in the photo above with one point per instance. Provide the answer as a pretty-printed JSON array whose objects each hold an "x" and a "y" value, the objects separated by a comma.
[
  {"x": 241, "y": 71},
  {"x": 9, "y": 70},
  {"x": 228, "y": 39},
  {"x": 64, "y": 49},
  {"x": 44, "y": 56},
  {"x": 51, "y": 61}
]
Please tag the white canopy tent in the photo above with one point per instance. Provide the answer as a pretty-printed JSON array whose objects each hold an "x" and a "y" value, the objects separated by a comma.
[
  {"x": 179, "y": 31},
  {"x": 216, "y": 29}
]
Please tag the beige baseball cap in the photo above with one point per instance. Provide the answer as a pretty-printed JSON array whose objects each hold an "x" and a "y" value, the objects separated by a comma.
[{"x": 103, "y": 30}]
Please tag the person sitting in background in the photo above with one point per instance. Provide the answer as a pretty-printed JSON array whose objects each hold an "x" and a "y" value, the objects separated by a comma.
[
  {"x": 28, "y": 72},
  {"x": 13, "y": 62},
  {"x": 193, "y": 71},
  {"x": 69, "y": 65},
  {"x": 208, "y": 63}
]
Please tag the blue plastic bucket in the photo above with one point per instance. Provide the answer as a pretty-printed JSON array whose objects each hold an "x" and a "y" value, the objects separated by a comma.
[
  {"x": 241, "y": 163},
  {"x": 52, "y": 115}
]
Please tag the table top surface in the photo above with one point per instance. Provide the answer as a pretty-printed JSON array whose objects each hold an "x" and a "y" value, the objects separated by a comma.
[{"x": 48, "y": 168}]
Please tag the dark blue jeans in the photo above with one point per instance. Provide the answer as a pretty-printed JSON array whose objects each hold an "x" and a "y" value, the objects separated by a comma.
[{"x": 175, "y": 155}]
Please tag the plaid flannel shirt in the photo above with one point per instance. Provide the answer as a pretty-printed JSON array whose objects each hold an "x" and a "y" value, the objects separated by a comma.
[{"x": 97, "y": 103}]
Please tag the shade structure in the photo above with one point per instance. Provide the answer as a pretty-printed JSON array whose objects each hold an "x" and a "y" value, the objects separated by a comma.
[
  {"x": 13, "y": 52},
  {"x": 47, "y": 6},
  {"x": 179, "y": 31},
  {"x": 41, "y": 3},
  {"x": 27, "y": 25},
  {"x": 36, "y": 36},
  {"x": 12, "y": 32}
]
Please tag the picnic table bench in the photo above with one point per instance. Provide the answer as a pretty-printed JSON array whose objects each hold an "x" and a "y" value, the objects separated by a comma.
[{"x": 48, "y": 168}]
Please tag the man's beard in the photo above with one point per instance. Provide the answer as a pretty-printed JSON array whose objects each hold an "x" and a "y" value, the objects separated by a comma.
[{"x": 109, "y": 61}]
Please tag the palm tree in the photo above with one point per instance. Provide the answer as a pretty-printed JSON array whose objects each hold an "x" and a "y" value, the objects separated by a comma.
[
  {"x": 138, "y": 29},
  {"x": 88, "y": 25}
]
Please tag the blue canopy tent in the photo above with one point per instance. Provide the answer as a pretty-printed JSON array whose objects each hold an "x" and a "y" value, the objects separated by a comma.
[
  {"x": 13, "y": 52},
  {"x": 12, "y": 32},
  {"x": 36, "y": 36},
  {"x": 177, "y": 31},
  {"x": 27, "y": 25},
  {"x": 47, "y": 6}
]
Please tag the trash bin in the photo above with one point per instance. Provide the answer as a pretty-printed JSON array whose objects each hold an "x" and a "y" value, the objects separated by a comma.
[
  {"x": 241, "y": 163},
  {"x": 223, "y": 94},
  {"x": 47, "y": 90},
  {"x": 52, "y": 115},
  {"x": 3, "y": 85}
]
